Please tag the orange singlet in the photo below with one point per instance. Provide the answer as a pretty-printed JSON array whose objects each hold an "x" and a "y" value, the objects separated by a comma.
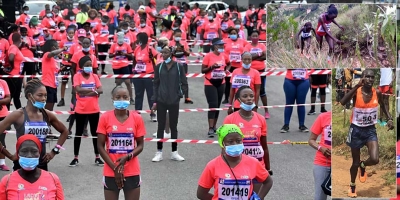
[{"x": 365, "y": 114}]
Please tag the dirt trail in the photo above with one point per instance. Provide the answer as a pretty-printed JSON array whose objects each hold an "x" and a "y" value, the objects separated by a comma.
[{"x": 373, "y": 187}]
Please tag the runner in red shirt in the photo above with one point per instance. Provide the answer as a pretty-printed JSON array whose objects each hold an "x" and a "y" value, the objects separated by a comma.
[
  {"x": 233, "y": 171},
  {"x": 125, "y": 11},
  {"x": 4, "y": 100},
  {"x": 24, "y": 17},
  {"x": 101, "y": 42},
  {"x": 122, "y": 132},
  {"x": 61, "y": 33}
]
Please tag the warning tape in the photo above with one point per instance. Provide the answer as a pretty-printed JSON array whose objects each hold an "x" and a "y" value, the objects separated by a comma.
[
  {"x": 199, "y": 109},
  {"x": 189, "y": 75},
  {"x": 187, "y": 141}
]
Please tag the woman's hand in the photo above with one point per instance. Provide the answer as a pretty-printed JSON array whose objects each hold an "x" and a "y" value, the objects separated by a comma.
[
  {"x": 121, "y": 163},
  {"x": 49, "y": 156},
  {"x": 325, "y": 151},
  {"x": 119, "y": 178},
  {"x": 230, "y": 110},
  {"x": 390, "y": 125}
]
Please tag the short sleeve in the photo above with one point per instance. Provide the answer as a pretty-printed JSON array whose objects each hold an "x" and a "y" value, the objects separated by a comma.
[
  {"x": 226, "y": 57},
  {"x": 5, "y": 87},
  {"x": 74, "y": 59},
  {"x": 60, "y": 191},
  {"x": 140, "y": 127},
  {"x": 264, "y": 126},
  {"x": 261, "y": 173},
  {"x": 97, "y": 80},
  {"x": 3, "y": 187},
  {"x": 71, "y": 50},
  {"x": 317, "y": 126},
  {"x": 129, "y": 49},
  {"x": 112, "y": 48},
  {"x": 76, "y": 79},
  {"x": 264, "y": 48},
  {"x": 153, "y": 51},
  {"x": 13, "y": 50},
  {"x": 94, "y": 61},
  {"x": 206, "y": 179},
  {"x": 233, "y": 75},
  {"x": 61, "y": 44},
  {"x": 102, "y": 125},
  {"x": 228, "y": 120},
  {"x": 206, "y": 60},
  {"x": 257, "y": 77}
]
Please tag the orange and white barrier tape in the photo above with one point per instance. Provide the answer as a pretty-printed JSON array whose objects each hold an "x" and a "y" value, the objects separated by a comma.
[
  {"x": 198, "y": 109},
  {"x": 189, "y": 75}
]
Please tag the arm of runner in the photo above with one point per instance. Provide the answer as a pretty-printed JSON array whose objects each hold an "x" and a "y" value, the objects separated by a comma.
[
  {"x": 385, "y": 110},
  {"x": 59, "y": 126},
  {"x": 341, "y": 27},
  {"x": 265, "y": 187},
  {"x": 7, "y": 122},
  {"x": 101, "y": 142},
  {"x": 264, "y": 145},
  {"x": 6, "y": 100},
  {"x": 349, "y": 95}
]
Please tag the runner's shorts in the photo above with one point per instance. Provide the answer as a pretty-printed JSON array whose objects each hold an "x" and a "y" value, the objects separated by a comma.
[
  {"x": 319, "y": 81},
  {"x": 359, "y": 136},
  {"x": 130, "y": 183}
]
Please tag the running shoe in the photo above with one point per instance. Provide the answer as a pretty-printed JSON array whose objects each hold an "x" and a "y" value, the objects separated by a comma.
[
  {"x": 363, "y": 173},
  {"x": 267, "y": 115},
  {"x": 175, "y": 156},
  {"x": 166, "y": 135},
  {"x": 311, "y": 112},
  {"x": 61, "y": 103},
  {"x": 303, "y": 129},
  {"x": 285, "y": 129},
  {"x": 323, "y": 110},
  {"x": 211, "y": 132},
  {"x": 74, "y": 163},
  {"x": 327, "y": 90},
  {"x": 103, "y": 73},
  {"x": 188, "y": 101},
  {"x": 4, "y": 168},
  {"x": 158, "y": 157},
  {"x": 99, "y": 162},
  {"x": 153, "y": 117},
  {"x": 352, "y": 192}
]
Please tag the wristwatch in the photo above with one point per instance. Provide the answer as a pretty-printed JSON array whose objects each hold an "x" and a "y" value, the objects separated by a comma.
[{"x": 56, "y": 150}]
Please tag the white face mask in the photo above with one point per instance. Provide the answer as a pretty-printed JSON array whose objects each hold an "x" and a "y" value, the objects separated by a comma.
[
  {"x": 62, "y": 28},
  {"x": 26, "y": 11},
  {"x": 142, "y": 25},
  {"x": 72, "y": 18}
]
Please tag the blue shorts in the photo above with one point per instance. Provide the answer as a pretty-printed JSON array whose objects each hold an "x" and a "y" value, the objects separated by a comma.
[{"x": 359, "y": 136}]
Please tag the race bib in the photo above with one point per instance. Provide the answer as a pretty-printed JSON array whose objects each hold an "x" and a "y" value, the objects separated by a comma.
[
  {"x": 2, "y": 93},
  {"x": 240, "y": 80},
  {"x": 39, "y": 129},
  {"x": 363, "y": 117},
  {"x": 154, "y": 12},
  {"x": 328, "y": 26},
  {"x": 120, "y": 143},
  {"x": 140, "y": 67},
  {"x": 104, "y": 31},
  {"x": 398, "y": 165},
  {"x": 234, "y": 189},
  {"x": 32, "y": 194},
  {"x": 88, "y": 86},
  {"x": 235, "y": 57},
  {"x": 51, "y": 22},
  {"x": 224, "y": 26},
  {"x": 211, "y": 36},
  {"x": 93, "y": 24},
  {"x": 299, "y": 74},
  {"x": 181, "y": 60},
  {"x": 328, "y": 135},
  {"x": 218, "y": 74},
  {"x": 127, "y": 40},
  {"x": 305, "y": 35},
  {"x": 1, "y": 53},
  {"x": 253, "y": 150},
  {"x": 27, "y": 20}
]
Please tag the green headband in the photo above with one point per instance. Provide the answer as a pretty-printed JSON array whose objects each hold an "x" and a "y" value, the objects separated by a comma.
[{"x": 226, "y": 129}]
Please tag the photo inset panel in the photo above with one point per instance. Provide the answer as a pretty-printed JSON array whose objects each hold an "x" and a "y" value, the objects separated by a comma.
[
  {"x": 331, "y": 35},
  {"x": 364, "y": 143}
]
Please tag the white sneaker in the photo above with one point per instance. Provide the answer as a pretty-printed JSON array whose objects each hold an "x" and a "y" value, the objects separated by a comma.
[
  {"x": 327, "y": 90},
  {"x": 176, "y": 156},
  {"x": 166, "y": 135},
  {"x": 157, "y": 157}
]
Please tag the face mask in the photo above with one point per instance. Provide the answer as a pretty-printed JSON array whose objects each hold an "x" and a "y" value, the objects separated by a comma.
[
  {"x": 26, "y": 11},
  {"x": 49, "y": 15},
  {"x": 234, "y": 150},
  {"x": 174, "y": 28},
  {"x": 103, "y": 23},
  {"x": 221, "y": 50},
  {"x": 233, "y": 37},
  {"x": 254, "y": 40},
  {"x": 247, "y": 107},
  {"x": 210, "y": 17},
  {"x": 142, "y": 25},
  {"x": 140, "y": 43},
  {"x": 246, "y": 66},
  {"x": 233, "y": 19},
  {"x": 168, "y": 60},
  {"x": 28, "y": 164},
  {"x": 121, "y": 105},
  {"x": 125, "y": 31},
  {"x": 86, "y": 49},
  {"x": 88, "y": 70},
  {"x": 253, "y": 9},
  {"x": 62, "y": 28},
  {"x": 38, "y": 104},
  {"x": 71, "y": 18},
  {"x": 177, "y": 39},
  {"x": 164, "y": 29},
  {"x": 159, "y": 49},
  {"x": 237, "y": 26}
]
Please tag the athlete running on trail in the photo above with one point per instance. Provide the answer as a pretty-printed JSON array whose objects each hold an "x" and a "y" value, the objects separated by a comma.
[
  {"x": 366, "y": 100},
  {"x": 324, "y": 29},
  {"x": 305, "y": 33}
]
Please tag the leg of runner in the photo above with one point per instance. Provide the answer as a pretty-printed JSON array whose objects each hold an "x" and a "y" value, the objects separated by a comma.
[
  {"x": 301, "y": 95},
  {"x": 132, "y": 194},
  {"x": 320, "y": 173},
  {"x": 355, "y": 154},
  {"x": 187, "y": 98},
  {"x": 331, "y": 45},
  {"x": 322, "y": 96},
  {"x": 64, "y": 83},
  {"x": 79, "y": 127},
  {"x": 313, "y": 99},
  {"x": 94, "y": 121},
  {"x": 263, "y": 95},
  {"x": 3, "y": 165},
  {"x": 148, "y": 83},
  {"x": 290, "y": 94},
  {"x": 161, "y": 118},
  {"x": 139, "y": 93},
  {"x": 373, "y": 151},
  {"x": 173, "y": 113}
]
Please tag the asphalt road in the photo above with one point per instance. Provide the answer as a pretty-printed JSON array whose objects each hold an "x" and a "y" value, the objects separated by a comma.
[{"x": 171, "y": 180}]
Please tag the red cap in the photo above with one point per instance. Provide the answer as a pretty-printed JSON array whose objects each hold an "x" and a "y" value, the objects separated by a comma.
[
  {"x": 81, "y": 33},
  {"x": 27, "y": 137}
]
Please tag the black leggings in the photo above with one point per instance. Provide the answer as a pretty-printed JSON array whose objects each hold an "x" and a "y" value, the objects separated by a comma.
[
  {"x": 185, "y": 68},
  {"x": 15, "y": 86},
  {"x": 29, "y": 69},
  {"x": 80, "y": 126},
  {"x": 173, "y": 111},
  {"x": 154, "y": 27},
  {"x": 3, "y": 136},
  {"x": 321, "y": 91},
  {"x": 228, "y": 84},
  {"x": 214, "y": 97}
]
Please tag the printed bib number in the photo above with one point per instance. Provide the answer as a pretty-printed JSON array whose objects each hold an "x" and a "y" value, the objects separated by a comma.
[
  {"x": 253, "y": 151},
  {"x": 88, "y": 86},
  {"x": 27, "y": 20},
  {"x": 2, "y": 94},
  {"x": 305, "y": 35},
  {"x": 93, "y": 24},
  {"x": 224, "y": 26},
  {"x": 1, "y": 53},
  {"x": 140, "y": 67},
  {"x": 218, "y": 74},
  {"x": 233, "y": 189},
  {"x": 240, "y": 80},
  {"x": 235, "y": 57},
  {"x": 398, "y": 165},
  {"x": 365, "y": 116},
  {"x": 299, "y": 74},
  {"x": 321, "y": 29},
  {"x": 105, "y": 32},
  {"x": 120, "y": 143},
  {"x": 127, "y": 41},
  {"x": 211, "y": 36},
  {"x": 51, "y": 22},
  {"x": 38, "y": 129},
  {"x": 328, "y": 135},
  {"x": 154, "y": 12}
]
